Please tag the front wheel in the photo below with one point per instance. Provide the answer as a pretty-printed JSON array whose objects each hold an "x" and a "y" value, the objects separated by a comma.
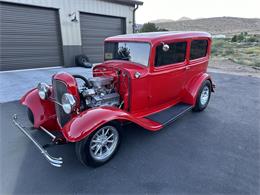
[
  {"x": 100, "y": 146},
  {"x": 203, "y": 96}
]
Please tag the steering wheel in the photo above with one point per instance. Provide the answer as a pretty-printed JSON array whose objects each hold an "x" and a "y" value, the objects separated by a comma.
[{"x": 122, "y": 54}]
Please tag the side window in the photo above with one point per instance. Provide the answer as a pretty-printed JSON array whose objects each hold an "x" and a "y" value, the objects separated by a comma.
[
  {"x": 198, "y": 49},
  {"x": 175, "y": 54}
]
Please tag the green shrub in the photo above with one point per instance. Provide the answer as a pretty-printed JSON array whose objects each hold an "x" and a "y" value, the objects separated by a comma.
[
  {"x": 234, "y": 38},
  {"x": 252, "y": 39},
  {"x": 240, "y": 37}
]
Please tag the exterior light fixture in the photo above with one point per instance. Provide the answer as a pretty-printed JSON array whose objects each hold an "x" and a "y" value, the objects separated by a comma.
[{"x": 74, "y": 19}]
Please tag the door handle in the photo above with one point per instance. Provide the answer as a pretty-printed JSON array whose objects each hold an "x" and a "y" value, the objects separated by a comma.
[{"x": 187, "y": 67}]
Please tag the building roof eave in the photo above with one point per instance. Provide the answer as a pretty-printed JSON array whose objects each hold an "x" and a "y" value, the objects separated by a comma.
[{"x": 126, "y": 2}]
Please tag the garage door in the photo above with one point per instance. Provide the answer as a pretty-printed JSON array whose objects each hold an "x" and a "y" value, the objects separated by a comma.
[
  {"x": 94, "y": 29},
  {"x": 30, "y": 37}
]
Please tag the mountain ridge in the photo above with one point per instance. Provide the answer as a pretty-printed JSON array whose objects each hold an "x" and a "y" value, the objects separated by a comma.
[{"x": 215, "y": 25}]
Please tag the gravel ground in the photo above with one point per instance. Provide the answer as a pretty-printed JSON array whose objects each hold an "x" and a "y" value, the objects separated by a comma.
[{"x": 227, "y": 66}]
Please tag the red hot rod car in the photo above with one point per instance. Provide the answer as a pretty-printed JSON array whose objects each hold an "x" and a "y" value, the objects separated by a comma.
[{"x": 149, "y": 79}]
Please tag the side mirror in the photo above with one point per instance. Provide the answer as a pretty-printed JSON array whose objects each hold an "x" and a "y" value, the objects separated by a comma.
[{"x": 165, "y": 47}]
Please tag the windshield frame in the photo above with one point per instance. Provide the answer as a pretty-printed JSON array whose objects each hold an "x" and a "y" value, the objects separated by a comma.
[{"x": 129, "y": 41}]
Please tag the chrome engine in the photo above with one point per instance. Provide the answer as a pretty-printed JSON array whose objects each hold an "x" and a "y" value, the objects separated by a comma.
[{"x": 102, "y": 92}]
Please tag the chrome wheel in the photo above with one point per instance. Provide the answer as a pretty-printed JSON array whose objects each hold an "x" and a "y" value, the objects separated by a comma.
[
  {"x": 204, "y": 97},
  {"x": 104, "y": 143}
]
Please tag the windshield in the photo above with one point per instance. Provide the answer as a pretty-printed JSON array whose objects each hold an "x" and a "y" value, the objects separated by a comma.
[{"x": 130, "y": 51}]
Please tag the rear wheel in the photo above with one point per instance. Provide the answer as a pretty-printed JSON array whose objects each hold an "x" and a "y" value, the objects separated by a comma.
[
  {"x": 100, "y": 146},
  {"x": 203, "y": 96}
]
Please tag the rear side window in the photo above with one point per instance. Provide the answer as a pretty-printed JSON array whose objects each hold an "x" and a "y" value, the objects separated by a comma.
[
  {"x": 175, "y": 54},
  {"x": 198, "y": 49}
]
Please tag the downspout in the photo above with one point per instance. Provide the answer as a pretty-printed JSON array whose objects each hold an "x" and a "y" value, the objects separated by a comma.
[{"x": 134, "y": 24}]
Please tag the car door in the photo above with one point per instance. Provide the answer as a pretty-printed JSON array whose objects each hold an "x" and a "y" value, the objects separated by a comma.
[
  {"x": 198, "y": 57},
  {"x": 168, "y": 72}
]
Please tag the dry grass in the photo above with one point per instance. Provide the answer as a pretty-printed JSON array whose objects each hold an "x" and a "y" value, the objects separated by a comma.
[{"x": 245, "y": 53}]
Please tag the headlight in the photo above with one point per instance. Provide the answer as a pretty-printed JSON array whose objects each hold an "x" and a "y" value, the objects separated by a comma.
[
  {"x": 43, "y": 90},
  {"x": 68, "y": 103}
]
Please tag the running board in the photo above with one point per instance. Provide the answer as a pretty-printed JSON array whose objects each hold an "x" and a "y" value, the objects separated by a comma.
[{"x": 169, "y": 115}]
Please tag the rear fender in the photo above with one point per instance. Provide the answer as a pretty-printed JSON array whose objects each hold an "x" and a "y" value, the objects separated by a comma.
[
  {"x": 192, "y": 88},
  {"x": 88, "y": 121},
  {"x": 43, "y": 110}
]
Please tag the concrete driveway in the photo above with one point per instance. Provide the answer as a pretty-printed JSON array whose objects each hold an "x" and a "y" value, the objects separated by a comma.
[
  {"x": 14, "y": 84},
  {"x": 216, "y": 151}
]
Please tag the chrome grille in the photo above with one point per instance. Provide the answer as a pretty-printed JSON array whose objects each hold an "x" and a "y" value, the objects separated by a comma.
[{"x": 59, "y": 88}]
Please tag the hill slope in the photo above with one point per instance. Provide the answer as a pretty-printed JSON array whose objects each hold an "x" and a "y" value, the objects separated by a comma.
[
  {"x": 218, "y": 25},
  {"x": 161, "y": 21},
  {"x": 184, "y": 18}
]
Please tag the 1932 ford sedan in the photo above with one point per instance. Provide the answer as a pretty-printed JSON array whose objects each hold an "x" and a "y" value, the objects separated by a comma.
[{"x": 148, "y": 79}]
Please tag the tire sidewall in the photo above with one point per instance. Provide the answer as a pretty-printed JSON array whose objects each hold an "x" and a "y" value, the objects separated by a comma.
[
  {"x": 83, "y": 61},
  {"x": 83, "y": 148},
  {"x": 199, "y": 106}
]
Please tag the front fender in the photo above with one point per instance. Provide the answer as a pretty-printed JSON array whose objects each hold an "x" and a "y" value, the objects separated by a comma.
[
  {"x": 88, "y": 121},
  {"x": 193, "y": 86},
  {"x": 43, "y": 110}
]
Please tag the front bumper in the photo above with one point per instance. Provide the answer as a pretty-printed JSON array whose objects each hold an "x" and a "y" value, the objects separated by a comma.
[{"x": 57, "y": 162}]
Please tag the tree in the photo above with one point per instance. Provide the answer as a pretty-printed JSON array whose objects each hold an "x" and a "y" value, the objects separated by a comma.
[
  {"x": 148, "y": 27},
  {"x": 240, "y": 37},
  {"x": 151, "y": 27}
]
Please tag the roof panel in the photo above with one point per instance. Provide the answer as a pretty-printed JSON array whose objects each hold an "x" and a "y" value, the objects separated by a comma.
[{"x": 153, "y": 36}]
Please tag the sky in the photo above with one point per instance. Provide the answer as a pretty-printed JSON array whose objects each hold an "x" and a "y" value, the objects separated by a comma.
[{"x": 175, "y": 9}]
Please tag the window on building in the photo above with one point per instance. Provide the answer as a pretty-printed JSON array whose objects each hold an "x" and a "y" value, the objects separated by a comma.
[
  {"x": 175, "y": 54},
  {"x": 198, "y": 49}
]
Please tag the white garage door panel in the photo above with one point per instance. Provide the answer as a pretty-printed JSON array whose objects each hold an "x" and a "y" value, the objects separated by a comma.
[
  {"x": 30, "y": 37},
  {"x": 94, "y": 30}
]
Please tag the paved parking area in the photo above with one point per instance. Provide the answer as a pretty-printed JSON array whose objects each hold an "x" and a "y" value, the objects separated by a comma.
[
  {"x": 216, "y": 151},
  {"x": 14, "y": 84}
]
